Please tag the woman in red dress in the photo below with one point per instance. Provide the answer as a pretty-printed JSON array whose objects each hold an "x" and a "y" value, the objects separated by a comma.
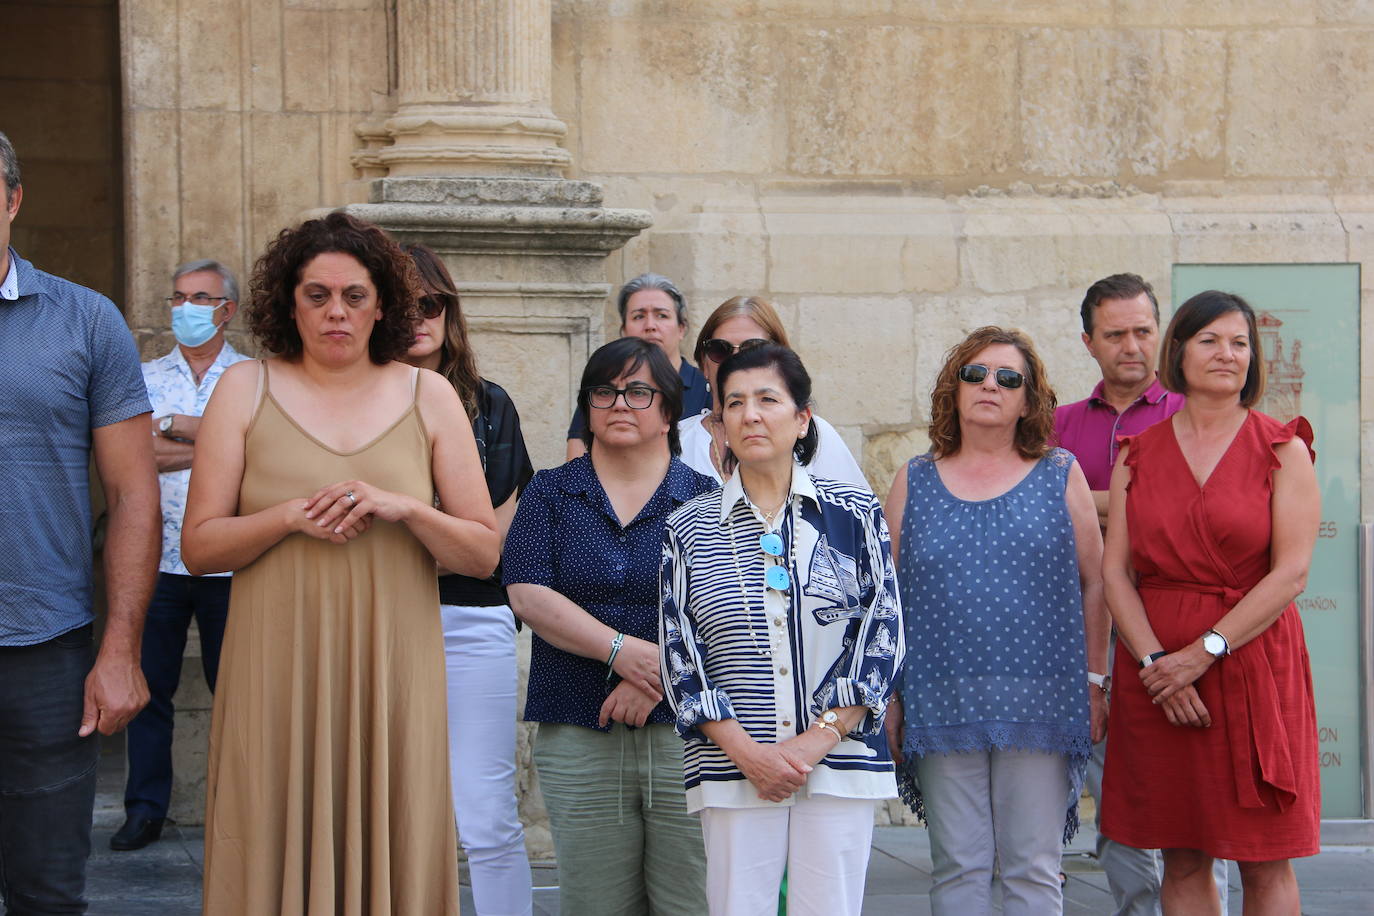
[{"x": 1212, "y": 519}]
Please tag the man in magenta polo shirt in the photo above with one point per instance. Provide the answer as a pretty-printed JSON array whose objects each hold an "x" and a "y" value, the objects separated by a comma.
[{"x": 1121, "y": 331}]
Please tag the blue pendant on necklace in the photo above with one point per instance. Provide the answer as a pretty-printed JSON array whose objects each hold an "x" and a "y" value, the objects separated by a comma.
[{"x": 777, "y": 578}]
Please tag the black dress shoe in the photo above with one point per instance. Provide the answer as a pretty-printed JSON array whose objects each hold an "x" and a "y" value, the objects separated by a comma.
[{"x": 138, "y": 831}]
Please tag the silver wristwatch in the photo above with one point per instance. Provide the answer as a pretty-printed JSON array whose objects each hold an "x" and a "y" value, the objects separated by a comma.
[{"x": 1215, "y": 644}]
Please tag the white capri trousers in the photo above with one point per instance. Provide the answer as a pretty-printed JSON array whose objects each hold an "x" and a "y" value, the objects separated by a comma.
[
  {"x": 822, "y": 841},
  {"x": 1002, "y": 809},
  {"x": 479, "y": 653}
]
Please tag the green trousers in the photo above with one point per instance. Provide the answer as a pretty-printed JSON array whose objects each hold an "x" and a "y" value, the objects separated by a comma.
[{"x": 626, "y": 845}]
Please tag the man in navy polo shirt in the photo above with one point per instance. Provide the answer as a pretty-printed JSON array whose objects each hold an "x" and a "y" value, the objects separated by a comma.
[
  {"x": 652, "y": 308},
  {"x": 70, "y": 391}
]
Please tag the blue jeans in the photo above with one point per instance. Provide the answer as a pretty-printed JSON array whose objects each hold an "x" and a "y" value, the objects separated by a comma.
[
  {"x": 47, "y": 775},
  {"x": 176, "y": 600}
]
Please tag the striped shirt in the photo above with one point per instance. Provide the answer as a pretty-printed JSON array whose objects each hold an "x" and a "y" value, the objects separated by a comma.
[{"x": 734, "y": 649}]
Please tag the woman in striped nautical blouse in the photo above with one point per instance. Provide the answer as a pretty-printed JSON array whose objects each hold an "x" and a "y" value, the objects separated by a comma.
[{"x": 780, "y": 634}]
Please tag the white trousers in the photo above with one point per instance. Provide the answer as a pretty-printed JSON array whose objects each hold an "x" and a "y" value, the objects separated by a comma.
[
  {"x": 479, "y": 651},
  {"x": 995, "y": 809},
  {"x": 822, "y": 841}
]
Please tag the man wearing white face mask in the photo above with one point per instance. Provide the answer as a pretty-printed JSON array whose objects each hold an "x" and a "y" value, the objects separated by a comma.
[{"x": 204, "y": 299}]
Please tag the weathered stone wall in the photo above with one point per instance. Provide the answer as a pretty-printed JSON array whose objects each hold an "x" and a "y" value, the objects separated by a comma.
[
  {"x": 891, "y": 172},
  {"x": 895, "y": 173},
  {"x": 239, "y": 115},
  {"x": 913, "y": 166},
  {"x": 61, "y": 112}
]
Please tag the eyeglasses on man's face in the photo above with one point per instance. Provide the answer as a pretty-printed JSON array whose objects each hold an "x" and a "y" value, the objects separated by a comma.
[
  {"x": 637, "y": 397},
  {"x": 177, "y": 298},
  {"x": 719, "y": 350},
  {"x": 1005, "y": 378}
]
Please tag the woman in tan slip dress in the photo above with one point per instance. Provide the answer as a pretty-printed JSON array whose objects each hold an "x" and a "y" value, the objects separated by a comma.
[{"x": 314, "y": 481}]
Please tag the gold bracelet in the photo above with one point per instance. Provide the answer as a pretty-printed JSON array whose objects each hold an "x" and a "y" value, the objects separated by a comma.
[{"x": 832, "y": 728}]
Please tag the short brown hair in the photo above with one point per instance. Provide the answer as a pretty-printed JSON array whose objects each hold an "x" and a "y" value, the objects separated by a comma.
[
  {"x": 1196, "y": 314},
  {"x": 756, "y": 309},
  {"x": 1032, "y": 431},
  {"x": 1117, "y": 286},
  {"x": 272, "y": 303}
]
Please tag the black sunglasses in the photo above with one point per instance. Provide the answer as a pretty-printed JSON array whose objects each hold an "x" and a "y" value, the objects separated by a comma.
[
  {"x": 1005, "y": 378},
  {"x": 432, "y": 306},
  {"x": 720, "y": 350}
]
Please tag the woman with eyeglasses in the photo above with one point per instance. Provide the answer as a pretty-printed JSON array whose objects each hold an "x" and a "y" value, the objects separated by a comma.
[
  {"x": 743, "y": 323},
  {"x": 581, "y": 567},
  {"x": 999, "y": 563},
  {"x": 479, "y": 628},
  {"x": 1212, "y": 520},
  {"x": 781, "y": 633}
]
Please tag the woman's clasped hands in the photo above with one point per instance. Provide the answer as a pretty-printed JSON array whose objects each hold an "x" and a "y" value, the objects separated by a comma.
[
  {"x": 776, "y": 771},
  {"x": 1170, "y": 682},
  {"x": 340, "y": 512}
]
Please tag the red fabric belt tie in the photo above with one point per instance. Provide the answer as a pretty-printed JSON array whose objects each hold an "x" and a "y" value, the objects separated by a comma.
[{"x": 1260, "y": 759}]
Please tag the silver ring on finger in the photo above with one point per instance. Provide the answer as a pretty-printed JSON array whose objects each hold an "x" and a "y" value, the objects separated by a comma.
[{"x": 352, "y": 500}]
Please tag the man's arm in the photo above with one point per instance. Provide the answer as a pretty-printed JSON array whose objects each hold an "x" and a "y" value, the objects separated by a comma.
[
  {"x": 115, "y": 689},
  {"x": 1100, "y": 500},
  {"x": 174, "y": 449},
  {"x": 171, "y": 454},
  {"x": 184, "y": 426}
]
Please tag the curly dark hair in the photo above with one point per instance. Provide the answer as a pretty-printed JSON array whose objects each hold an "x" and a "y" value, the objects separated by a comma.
[
  {"x": 271, "y": 308},
  {"x": 1032, "y": 431}
]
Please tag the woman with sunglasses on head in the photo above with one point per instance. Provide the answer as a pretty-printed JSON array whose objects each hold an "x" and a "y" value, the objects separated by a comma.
[
  {"x": 781, "y": 633},
  {"x": 479, "y": 628},
  {"x": 739, "y": 324},
  {"x": 581, "y": 567},
  {"x": 999, "y": 563},
  {"x": 1212, "y": 519}
]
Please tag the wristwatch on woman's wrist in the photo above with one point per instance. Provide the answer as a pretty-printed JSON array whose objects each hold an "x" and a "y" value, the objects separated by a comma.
[
  {"x": 831, "y": 720},
  {"x": 1102, "y": 681},
  {"x": 1216, "y": 644}
]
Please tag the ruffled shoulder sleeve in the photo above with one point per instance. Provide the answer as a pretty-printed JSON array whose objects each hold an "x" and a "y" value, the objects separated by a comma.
[
  {"x": 1133, "y": 445},
  {"x": 1275, "y": 434},
  {"x": 1140, "y": 443}
]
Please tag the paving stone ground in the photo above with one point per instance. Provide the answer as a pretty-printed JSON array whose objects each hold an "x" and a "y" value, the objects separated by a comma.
[{"x": 164, "y": 879}]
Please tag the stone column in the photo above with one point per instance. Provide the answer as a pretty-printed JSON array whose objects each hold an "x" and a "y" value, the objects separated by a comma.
[{"x": 474, "y": 90}]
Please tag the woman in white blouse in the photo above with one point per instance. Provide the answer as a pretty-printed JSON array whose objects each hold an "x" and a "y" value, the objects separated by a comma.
[
  {"x": 739, "y": 324},
  {"x": 780, "y": 634}
]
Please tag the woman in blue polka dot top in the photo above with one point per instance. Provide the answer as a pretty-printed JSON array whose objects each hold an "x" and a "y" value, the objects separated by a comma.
[{"x": 999, "y": 566}]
